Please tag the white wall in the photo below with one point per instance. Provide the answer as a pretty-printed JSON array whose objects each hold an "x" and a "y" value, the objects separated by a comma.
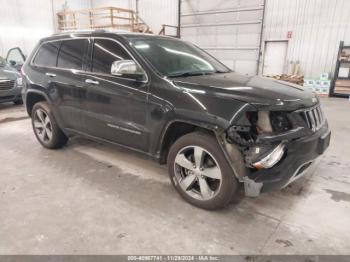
[
  {"x": 23, "y": 23},
  {"x": 128, "y": 4},
  {"x": 158, "y": 12},
  {"x": 153, "y": 12},
  {"x": 317, "y": 27}
]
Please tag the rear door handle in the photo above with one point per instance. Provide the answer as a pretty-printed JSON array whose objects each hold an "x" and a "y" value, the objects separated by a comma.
[
  {"x": 93, "y": 82},
  {"x": 50, "y": 74}
]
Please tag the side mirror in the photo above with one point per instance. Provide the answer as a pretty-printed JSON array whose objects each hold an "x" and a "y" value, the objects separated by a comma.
[
  {"x": 127, "y": 68},
  {"x": 13, "y": 63}
]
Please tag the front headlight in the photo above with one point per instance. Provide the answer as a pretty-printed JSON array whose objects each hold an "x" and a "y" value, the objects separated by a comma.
[
  {"x": 19, "y": 81},
  {"x": 271, "y": 159},
  {"x": 279, "y": 121}
]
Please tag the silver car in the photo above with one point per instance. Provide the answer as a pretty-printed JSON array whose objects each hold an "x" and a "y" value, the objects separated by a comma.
[{"x": 10, "y": 81}]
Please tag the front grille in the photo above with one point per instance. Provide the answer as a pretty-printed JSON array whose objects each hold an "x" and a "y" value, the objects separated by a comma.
[
  {"x": 6, "y": 84},
  {"x": 314, "y": 117}
]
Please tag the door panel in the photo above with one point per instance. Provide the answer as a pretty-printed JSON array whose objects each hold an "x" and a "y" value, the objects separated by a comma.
[
  {"x": 116, "y": 106},
  {"x": 117, "y": 111},
  {"x": 15, "y": 57},
  {"x": 275, "y": 57},
  {"x": 67, "y": 84},
  {"x": 68, "y": 90}
]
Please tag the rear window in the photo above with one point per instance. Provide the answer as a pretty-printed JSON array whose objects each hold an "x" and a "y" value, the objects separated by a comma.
[
  {"x": 71, "y": 54},
  {"x": 47, "y": 54}
]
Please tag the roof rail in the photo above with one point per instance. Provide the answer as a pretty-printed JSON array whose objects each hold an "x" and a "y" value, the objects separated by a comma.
[{"x": 81, "y": 31}]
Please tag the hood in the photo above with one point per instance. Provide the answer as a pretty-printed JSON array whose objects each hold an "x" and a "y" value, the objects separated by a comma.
[
  {"x": 258, "y": 91},
  {"x": 8, "y": 72}
]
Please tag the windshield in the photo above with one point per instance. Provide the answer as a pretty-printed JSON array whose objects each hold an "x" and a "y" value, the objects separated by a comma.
[
  {"x": 2, "y": 62},
  {"x": 172, "y": 57}
]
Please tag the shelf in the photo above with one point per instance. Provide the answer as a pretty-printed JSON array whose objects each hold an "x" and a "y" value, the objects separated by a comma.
[
  {"x": 340, "y": 95},
  {"x": 337, "y": 86}
]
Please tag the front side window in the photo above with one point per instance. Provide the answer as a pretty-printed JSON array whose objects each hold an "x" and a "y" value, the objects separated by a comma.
[
  {"x": 47, "y": 54},
  {"x": 172, "y": 57},
  {"x": 106, "y": 52},
  {"x": 71, "y": 54}
]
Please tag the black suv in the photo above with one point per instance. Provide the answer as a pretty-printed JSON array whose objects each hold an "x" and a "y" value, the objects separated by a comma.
[{"x": 177, "y": 104}]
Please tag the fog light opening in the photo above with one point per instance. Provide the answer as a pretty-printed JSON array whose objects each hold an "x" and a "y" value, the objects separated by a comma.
[{"x": 272, "y": 158}]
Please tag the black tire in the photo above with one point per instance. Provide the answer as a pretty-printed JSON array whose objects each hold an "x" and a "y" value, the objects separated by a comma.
[
  {"x": 229, "y": 184},
  {"x": 58, "y": 138},
  {"x": 18, "y": 102}
]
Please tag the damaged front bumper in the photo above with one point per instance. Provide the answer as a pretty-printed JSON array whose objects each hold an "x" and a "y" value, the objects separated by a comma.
[
  {"x": 300, "y": 154},
  {"x": 275, "y": 159}
]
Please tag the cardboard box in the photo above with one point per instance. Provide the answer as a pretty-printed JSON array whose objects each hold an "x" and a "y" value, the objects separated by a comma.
[
  {"x": 324, "y": 90},
  {"x": 317, "y": 83},
  {"x": 325, "y": 83},
  {"x": 309, "y": 82},
  {"x": 344, "y": 83},
  {"x": 342, "y": 89},
  {"x": 324, "y": 76},
  {"x": 344, "y": 72}
]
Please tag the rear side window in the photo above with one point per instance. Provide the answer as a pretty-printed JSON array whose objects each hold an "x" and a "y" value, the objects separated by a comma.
[
  {"x": 47, "y": 54},
  {"x": 71, "y": 54},
  {"x": 105, "y": 53}
]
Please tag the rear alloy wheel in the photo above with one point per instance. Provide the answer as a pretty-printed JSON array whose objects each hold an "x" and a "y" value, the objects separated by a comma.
[
  {"x": 200, "y": 172},
  {"x": 45, "y": 127},
  {"x": 42, "y": 126}
]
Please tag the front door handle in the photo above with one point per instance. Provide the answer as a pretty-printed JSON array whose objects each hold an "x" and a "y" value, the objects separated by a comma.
[
  {"x": 50, "y": 74},
  {"x": 93, "y": 82}
]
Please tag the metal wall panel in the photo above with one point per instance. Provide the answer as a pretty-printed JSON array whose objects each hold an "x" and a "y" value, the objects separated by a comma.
[
  {"x": 229, "y": 30},
  {"x": 317, "y": 27},
  {"x": 128, "y": 4},
  {"x": 158, "y": 12}
]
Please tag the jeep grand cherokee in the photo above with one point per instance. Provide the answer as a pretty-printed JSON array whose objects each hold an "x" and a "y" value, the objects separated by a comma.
[{"x": 177, "y": 104}]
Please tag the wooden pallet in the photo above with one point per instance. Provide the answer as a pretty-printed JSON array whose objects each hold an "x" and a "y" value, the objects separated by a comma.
[{"x": 102, "y": 18}]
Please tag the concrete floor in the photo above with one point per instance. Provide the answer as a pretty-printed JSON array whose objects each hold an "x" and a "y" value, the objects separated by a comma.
[{"x": 90, "y": 198}]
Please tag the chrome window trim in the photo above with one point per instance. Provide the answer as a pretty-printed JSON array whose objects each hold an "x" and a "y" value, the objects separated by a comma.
[
  {"x": 51, "y": 41},
  {"x": 86, "y": 71}
]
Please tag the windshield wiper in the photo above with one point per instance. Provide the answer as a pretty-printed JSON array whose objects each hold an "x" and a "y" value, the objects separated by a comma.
[
  {"x": 186, "y": 74},
  {"x": 221, "y": 72}
]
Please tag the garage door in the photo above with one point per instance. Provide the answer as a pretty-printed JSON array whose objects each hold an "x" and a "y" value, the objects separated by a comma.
[{"x": 229, "y": 30}]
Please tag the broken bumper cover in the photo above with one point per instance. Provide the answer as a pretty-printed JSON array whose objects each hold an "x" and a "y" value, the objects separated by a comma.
[{"x": 300, "y": 154}]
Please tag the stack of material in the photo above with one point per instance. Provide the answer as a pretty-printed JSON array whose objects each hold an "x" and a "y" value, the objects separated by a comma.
[
  {"x": 295, "y": 79},
  {"x": 320, "y": 86},
  {"x": 344, "y": 56},
  {"x": 293, "y": 76}
]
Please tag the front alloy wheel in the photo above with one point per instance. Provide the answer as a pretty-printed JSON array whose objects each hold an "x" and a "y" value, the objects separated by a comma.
[
  {"x": 200, "y": 172},
  {"x": 197, "y": 172}
]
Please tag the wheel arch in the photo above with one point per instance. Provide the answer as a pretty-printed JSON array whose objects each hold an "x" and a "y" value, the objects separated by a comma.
[
  {"x": 176, "y": 129},
  {"x": 33, "y": 97}
]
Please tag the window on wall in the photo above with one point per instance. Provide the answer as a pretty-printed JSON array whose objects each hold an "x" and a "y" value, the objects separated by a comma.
[
  {"x": 47, "y": 54},
  {"x": 106, "y": 52},
  {"x": 71, "y": 54}
]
